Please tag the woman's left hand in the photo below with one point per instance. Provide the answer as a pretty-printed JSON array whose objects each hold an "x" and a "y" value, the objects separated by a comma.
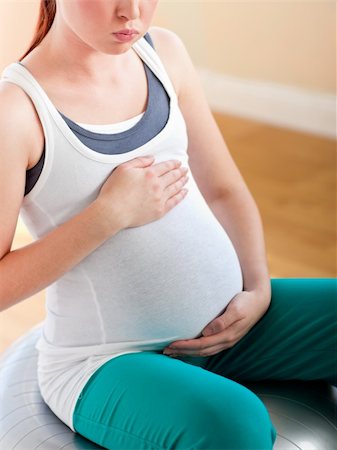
[{"x": 241, "y": 314}]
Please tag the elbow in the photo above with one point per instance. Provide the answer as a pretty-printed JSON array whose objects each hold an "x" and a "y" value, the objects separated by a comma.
[
  {"x": 240, "y": 192},
  {"x": 3, "y": 294},
  {"x": 6, "y": 290}
]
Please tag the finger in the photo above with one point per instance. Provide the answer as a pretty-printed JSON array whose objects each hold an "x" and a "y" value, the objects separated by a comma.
[
  {"x": 166, "y": 166},
  {"x": 205, "y": 352},
  {"x": 221, "y": 323},
  {"x": 234, "y": 332},
  {"x": 193, "y": 344},
  {"x": 179, "y": 181}
]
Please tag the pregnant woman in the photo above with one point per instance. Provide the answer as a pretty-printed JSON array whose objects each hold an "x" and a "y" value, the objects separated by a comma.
[{"x": 147, "y": 240}]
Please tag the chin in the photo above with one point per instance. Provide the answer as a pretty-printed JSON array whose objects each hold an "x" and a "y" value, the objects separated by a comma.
[{"x": 117, "y": 49}]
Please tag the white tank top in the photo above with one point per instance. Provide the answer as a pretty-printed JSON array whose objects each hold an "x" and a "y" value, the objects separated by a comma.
[{"x": 143, "y": 288}]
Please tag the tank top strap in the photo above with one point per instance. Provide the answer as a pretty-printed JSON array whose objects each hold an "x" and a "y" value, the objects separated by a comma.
[
  {"x": 17, "y": 74},
  {"x": 148, "y": 54}
]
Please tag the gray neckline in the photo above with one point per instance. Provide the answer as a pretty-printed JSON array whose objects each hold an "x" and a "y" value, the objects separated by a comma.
[{"x": 149, "y": 111}]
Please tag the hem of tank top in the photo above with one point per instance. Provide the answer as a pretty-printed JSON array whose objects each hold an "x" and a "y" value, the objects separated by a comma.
[
  {"x": 101, "y": 349},
  {"x": 97, "y": 366},
  {"x": 83, "y": 383},
  {"x": 87, "y": 151}
]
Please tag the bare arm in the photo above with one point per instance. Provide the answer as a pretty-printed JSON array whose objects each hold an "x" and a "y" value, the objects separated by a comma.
[
  {"x": 29, "y": 269},
  {"x": 240, "y": 217}
]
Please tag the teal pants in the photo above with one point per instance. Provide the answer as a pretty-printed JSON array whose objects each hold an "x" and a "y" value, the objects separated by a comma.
[{"x": 148, "y": 400}]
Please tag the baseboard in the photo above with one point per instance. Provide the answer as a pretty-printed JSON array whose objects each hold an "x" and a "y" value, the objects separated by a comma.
[{"x": 284, "y": 106}]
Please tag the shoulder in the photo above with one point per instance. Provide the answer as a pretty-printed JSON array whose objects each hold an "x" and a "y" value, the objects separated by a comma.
[
  {"x": 19, "y": 120},
  {"x": 164, "y": 35},
  {"x": 16, "y": 108},
  {"x": 172, "y": 52},
  {"x": 12, "y": 100}
]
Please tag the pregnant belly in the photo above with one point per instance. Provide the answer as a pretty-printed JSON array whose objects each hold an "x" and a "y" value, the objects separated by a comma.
[{"x": 165, "y": 280}]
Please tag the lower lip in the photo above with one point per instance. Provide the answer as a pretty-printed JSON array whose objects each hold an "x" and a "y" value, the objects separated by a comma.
[{"x": 124, "y": 37}]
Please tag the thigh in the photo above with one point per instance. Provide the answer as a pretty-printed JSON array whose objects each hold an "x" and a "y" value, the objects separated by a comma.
[
  {"x": 295, "y": 339},
  {"x": 147, "y": 400}
]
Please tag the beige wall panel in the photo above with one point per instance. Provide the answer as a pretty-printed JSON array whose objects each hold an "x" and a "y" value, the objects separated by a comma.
[
  {"x": 184, "y": 17},
  {"x": 287, "y": 42},
  {"x": 17, "y": 24}
]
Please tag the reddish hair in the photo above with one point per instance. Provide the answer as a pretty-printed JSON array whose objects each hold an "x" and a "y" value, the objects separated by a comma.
[{"x": 44, "y": 22}]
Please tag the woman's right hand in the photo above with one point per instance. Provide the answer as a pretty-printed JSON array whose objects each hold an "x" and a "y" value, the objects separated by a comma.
[{"x": 140, "y": 192}]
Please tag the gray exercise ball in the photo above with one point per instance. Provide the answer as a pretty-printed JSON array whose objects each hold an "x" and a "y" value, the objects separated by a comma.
[
  {"x": 303, "y": 412},
  {"x": 26, "y": 422}
]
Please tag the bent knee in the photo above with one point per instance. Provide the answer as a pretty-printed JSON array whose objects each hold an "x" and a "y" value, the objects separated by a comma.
[{"x": 239, "y": 420}]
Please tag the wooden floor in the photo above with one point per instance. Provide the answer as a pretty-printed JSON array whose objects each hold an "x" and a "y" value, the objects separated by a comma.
[{"x": 292, "y": 177}]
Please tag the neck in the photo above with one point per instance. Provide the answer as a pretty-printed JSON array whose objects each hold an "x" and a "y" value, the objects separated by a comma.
[{"x": 64, "y": 52}]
